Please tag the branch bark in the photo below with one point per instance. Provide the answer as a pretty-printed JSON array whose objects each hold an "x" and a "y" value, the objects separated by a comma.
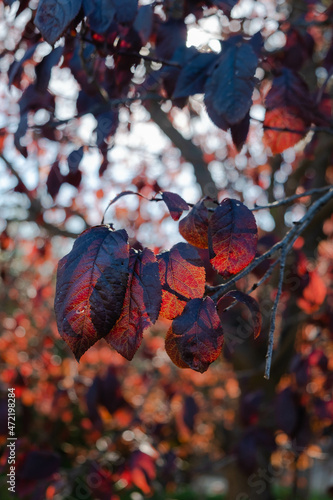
[{"x": 189, "y": 151}]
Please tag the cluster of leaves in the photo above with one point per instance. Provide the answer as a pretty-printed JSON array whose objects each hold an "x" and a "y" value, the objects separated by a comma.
[
  {"x": 159, "y": 427},
  {"x": 101, "y": 44},
  {"x": 105, "y": 289}
]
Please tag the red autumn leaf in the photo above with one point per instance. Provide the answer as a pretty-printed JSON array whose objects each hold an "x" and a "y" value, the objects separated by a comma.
[
  {"x": 195, "y": 338},
  {"x": 313, "y": 294},
  {"x": 252, "y": 305},
  {"x": 142, "y": 471},
  {"x": 182, "y": 278},
  {"x": 232, "y": 236},
  {"x": 175, "y": 203},
  {"x": 194, "y": 227},
  {"x": 91, "y": 286},
  {"x": 282, "y": 118},
  {"x": 141, "y": 304}
]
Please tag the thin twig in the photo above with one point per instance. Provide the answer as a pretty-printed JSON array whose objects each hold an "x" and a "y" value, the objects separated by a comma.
[
  {"x": 131, "y": 53},
  {"x": 110, "y": 105},
  {"x": 285, "y": 201},
  {"x": 328, "y": 130},
  {"x": 265, "y": 277},
  {"x": 273, "y": 315},
  {"x": 287, "y": 241},
  {"x": 324, "y": 85}
]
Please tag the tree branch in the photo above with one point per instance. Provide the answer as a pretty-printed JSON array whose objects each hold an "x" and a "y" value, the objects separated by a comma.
[
  {"x": 285, "y": 201},
  {"x": 189, "y": 151},
  {"x": 36, "y": 209},
  {"x": 269, "y": 354}
]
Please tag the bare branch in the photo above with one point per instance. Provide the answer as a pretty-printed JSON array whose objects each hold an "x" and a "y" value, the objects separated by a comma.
[
  {"x": 269, "y": 354},
  {"x": 285, "y": 201},
  {"x": 287, "y": 242}
]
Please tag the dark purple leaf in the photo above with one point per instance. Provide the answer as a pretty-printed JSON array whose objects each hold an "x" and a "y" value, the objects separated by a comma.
[
  {"x": 126, "y": 10},
  {"x": 289, "y": 90},
  {"x": 193, "y": 76},
  {"x": 143, "y": 23},
  {"x": 20, "y": 132},
  {"x": 195, "y": 338},
  {"x": 54, "y": 16},
  {"x": 54, "y": 180},
  {"x": 257, "y": 43},
  {"x": 31, "y": 100},
  {"x": 87, "y": 98},
  {"x": 107, "y": 124},
  {"x": 141, "y": 305},
  {"x": 251, "y": 304},
  {"x": 230, "y": 87},
  {"x": 100, "y": 14},
  {"x": 74, "y": 160},
  {"x": 175, "y": 203},
  {"x": 15, "y": 69},
  {"x": 91, "y": 287},
  {"x": 217, "y": 118},
  {"x": 104, "y": 391},
  {"x": 239, "y": 131},
  {"x": 73, "y": 178},
  {"x": 44, "y": 68},
  {"x": 190, "y": 411},
  {"x": 171, "y": 35}
]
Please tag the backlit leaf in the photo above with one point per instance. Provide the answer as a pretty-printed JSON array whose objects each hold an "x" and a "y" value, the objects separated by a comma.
[
  {"x": 281, "y": 119},
  {"x": 91, "y": 286},
  {"x": 142, "y": 303},
  {"x": 251, "y": 304},
  {"x": 194, "y": 227},
  {"x": 313, "y": 294},
  {"x": 54, "y": 16},
  {"x": 182, "y": 278},
  {"x": 232, "y": 237},
  {"x": 175, "y": 203},
  {"x": 195, "y": 337},
  {"x": 289, "y": 90}
]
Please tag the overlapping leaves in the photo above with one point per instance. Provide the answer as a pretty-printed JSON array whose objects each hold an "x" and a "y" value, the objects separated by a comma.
[
  {"x": 91, "y": 287},
  {"x": 182, "y": 277},
  {"x": 141, "y": 306},
  {"x": 105, "y": 289},
  {"x": 196, "y": 337}
]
